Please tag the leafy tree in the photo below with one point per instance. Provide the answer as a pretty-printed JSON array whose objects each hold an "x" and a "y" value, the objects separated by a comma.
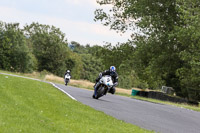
[
  {"x": 92, "y": 66},
  {"x": 75, "y": 64},
  {"x": 188, "y": 36},
  {"x": 121, "y": 56},
  {"x": 49, "y": 47},
  {"x": 155, "y": 19},
  {"x": 166, "y": 39},
  {"x": 14, "y": 53}
]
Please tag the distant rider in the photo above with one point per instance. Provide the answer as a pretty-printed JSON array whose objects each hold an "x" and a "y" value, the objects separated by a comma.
[
  {"x": 112, "y": 72},
  {"x": 67, "y": 73}
]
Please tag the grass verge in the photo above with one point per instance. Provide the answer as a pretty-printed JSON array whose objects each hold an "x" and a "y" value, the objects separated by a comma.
[
  {"x": 181, "y": 105},
  {"x": 195, "y": 108},
  {"x": 33, "y": 106}
]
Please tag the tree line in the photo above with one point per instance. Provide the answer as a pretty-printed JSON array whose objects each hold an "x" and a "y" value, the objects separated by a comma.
[{"x": 39, "y": 47}]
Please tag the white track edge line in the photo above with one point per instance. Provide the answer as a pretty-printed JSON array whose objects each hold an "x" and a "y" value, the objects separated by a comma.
[
  {"x": 41, "y": 81},
  {"x": 63, "y": 91}
]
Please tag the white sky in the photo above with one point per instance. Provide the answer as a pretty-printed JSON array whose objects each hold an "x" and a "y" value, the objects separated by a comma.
[{"x": 73, "y": 17}]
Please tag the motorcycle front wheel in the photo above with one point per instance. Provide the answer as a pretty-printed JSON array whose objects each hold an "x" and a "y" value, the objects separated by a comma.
[{"x": 100, "y": 92}]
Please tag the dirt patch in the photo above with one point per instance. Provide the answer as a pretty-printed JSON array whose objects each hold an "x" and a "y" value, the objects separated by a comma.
[
  {"x": 121, "y": 90},
  {"x": 34, "y": 74},
  {"x": 54, "y": 78},
  {"x": 81, "y": 83}
]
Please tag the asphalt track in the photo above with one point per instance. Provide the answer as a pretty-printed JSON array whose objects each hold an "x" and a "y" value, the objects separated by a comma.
[{"x": 158, "y": 117}]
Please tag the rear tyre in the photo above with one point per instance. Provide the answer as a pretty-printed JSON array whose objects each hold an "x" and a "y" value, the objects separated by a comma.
[{"x": 66, "y": 82}]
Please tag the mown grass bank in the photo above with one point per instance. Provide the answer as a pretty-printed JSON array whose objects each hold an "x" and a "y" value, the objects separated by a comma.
[
  {"x": 182, "y": 105},
  {"x": 35, "y": 107}
]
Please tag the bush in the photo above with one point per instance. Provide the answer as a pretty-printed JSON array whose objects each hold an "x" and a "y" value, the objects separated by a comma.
[{"x": 14, "y": 52}]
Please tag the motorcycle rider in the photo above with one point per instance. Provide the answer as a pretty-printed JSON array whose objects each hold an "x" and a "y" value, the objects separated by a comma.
[
  {"x": 67, "y": 72},
  {"x": 112, "y": 72}
]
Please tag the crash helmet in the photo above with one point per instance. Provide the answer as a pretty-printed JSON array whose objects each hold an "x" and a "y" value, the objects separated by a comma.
[{"x": 112, "y": 70}]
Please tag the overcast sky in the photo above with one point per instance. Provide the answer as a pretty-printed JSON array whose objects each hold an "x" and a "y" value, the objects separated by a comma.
[{"x": 73, "y": 17}]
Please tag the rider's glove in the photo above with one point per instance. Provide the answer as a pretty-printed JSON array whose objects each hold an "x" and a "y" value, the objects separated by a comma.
[
  {"x": 115, "y": 84},
  {"x": 100, "y": 75}
]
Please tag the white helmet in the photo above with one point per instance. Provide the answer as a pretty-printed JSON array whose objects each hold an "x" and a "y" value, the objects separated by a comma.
[
  {"x": 112, "y": 69},
  {"x": 68, "y": 71}
]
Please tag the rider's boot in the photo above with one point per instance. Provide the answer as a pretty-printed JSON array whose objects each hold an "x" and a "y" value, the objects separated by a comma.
[{"x": 112, "y": 90}]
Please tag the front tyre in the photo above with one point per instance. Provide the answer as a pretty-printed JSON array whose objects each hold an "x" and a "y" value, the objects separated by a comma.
[
  {"x": 100, "y": 92},
  {"x": 93, "y": 96}
]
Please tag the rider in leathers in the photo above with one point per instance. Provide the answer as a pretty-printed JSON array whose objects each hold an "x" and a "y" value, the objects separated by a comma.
[
  {"x": 67, "y": 72},
  {"x": 112, "y": 72}
]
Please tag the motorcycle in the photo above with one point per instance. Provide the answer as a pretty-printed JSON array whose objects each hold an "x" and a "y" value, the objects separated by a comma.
[
  {"x": 67, "y": 79},
  {"x": 106, "y": 84}
]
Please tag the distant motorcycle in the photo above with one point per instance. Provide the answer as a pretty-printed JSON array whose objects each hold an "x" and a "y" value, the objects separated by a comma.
[
  {"x": 67, "y": 79},
  {"x": 106, "y": 84}
]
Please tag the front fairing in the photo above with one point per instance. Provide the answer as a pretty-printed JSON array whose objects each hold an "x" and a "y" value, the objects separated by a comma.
[
  {"x": 107, "y": 81},
  {"x": 67, "y": 76}
]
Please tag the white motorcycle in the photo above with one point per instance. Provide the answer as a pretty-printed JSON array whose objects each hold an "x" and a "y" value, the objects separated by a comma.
[
  {"x": 67, "y": 79},
  {"x": 106, "y": 84}
]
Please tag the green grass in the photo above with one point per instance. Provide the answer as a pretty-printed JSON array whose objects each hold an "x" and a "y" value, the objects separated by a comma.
[
  {"x": 37, "y": 75},
  {"x": 182, "y": 105},
  {"x": 30, "y": 106},
  {"x": 195, "y": 108}
]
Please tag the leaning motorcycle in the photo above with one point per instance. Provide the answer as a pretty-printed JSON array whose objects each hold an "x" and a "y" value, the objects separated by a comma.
[
  {"x": 67, "y": 79},
  {"x": 106, "y": 84}
]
